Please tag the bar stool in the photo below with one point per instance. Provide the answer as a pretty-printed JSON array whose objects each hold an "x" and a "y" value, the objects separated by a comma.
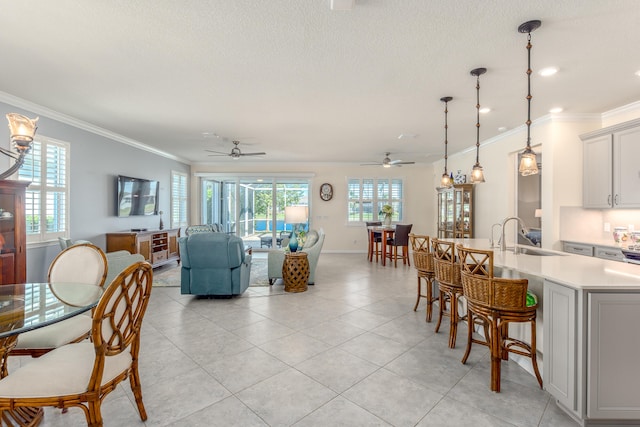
[
  {"x": 496, "y": 302},
  {"x": 447, "y": 274},
  {"x": 375, "y": 239},
  {"x": 423, "y": 261}
]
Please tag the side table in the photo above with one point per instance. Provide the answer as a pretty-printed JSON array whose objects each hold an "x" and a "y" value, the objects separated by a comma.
[{"x": 295, "y": 272}]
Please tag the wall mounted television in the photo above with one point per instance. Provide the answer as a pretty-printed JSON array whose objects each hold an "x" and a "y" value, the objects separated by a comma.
[{"x": 136, "y": 196}]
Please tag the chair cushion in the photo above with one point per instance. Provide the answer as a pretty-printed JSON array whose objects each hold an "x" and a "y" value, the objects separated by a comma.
[
  {"x": 63, "y": 371},
  {"x": 55, "y": 335}
]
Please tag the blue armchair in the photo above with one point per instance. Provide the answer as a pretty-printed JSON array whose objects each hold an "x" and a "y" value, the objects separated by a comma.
[{"x": 213, "y": 264}]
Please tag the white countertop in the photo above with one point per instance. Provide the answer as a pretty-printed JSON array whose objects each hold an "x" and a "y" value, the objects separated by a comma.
[{"x": 575, "y": 271}]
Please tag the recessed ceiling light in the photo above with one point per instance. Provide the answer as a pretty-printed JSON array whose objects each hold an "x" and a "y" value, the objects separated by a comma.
[
  {"x": 341, "y": 4},
  {"x": 485, "y": 110},
  {"x": 549, "y": 71},
  {"x": 502, "y": 128},
  {"x": 637, "y": 73},
  {"x": 556, "y": 110}
]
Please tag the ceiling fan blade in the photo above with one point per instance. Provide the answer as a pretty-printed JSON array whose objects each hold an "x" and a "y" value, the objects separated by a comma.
[
  {"x": 370, "y": 164},
  {"x": 218, "y": 152},
  {"x": 253, "y": 154},
  {"x": 218, "y": 155},
  {"x": 400, "y": 162}
]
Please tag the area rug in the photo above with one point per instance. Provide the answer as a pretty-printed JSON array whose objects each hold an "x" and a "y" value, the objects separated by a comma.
[{"x": 169, "y": 275}]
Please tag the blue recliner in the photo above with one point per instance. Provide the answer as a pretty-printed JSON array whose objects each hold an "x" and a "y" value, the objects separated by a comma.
[{"x": 214, "y": 264}]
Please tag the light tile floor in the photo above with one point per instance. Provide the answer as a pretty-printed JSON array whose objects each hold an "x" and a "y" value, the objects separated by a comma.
[{"x": 350, "y": 351}]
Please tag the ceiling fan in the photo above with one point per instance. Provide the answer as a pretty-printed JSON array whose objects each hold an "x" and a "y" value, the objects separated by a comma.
[
  {"x": 387, "y": 162},
  {"x": 235, "y": 152}
]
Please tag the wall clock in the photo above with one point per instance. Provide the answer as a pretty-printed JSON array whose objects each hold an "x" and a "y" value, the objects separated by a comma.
[{"x": 326, "y": 192}]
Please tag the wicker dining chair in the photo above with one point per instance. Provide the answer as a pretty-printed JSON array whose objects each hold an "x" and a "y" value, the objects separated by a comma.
[
  {"x": 423, "y": 261},
  {"x": 497, "y": 302},
  {"x": 79, "y": 263},
  {"x": 400, "y": 239},
  {"x": 82, "y": 374},
  {"x": 375, "y": 240},
  {"x": 447, "y": 274}
]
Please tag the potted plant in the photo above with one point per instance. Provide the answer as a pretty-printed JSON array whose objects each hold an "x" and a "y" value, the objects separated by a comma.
[{"x": 387, "y": 212}]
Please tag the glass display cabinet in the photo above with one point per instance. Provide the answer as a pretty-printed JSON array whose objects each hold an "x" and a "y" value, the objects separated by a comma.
[{"x": 455, "y": 211}]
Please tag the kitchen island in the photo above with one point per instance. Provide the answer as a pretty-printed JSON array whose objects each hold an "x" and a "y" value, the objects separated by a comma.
[{"x": 589, "y": 315}]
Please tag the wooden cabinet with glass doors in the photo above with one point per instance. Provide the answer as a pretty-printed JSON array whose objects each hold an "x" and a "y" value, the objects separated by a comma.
[{"x": 455, "y": 211}]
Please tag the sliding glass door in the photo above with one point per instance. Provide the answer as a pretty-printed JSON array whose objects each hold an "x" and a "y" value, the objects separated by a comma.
[{"x": 253, "y": 208}]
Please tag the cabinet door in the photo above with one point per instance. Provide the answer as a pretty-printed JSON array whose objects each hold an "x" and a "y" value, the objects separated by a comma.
[
  {"x": 173, "y": 243},
  {"x": 614, "y": 344},
  {"x": 597, "y": 173},
  {"x": 559, "y": 337},
  {"x": 626, "y": 169},
  {"x": 144, "y": 246}
]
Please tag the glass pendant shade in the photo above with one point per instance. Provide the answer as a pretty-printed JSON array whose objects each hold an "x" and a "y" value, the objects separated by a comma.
[
  {"x": 446, "y": 181},
  {"x": 528, "y": 163},
  {"x": 477, "y": 174}
]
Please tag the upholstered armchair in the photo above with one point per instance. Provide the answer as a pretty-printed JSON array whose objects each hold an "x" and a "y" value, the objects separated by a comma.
[
  {"x": 213, "y": 264},
  {"x": 312, "y": 246}
]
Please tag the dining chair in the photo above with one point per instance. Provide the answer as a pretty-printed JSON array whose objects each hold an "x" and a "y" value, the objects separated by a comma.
[
  {"x": 82, "y": 374},
  {"x": 374, "y": 239},
  {"x": 80, "y": 263},
  {"x": 400, "y": 239},
  {"x": 447, "y": 274},
  {"x": 495, "y": 303},
  {"x": 423, "y": 261}
]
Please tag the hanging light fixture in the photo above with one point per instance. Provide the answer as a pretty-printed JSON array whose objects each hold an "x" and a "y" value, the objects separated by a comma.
[
  {"x": 528, "y": 161},
  {"x": 477, "y": 173},
  {"x": 446, "y": 180},
  {"x": 23, "y": 130}
]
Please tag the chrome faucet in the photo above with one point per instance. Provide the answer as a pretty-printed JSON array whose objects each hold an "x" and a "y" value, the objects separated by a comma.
[
  {"x": 503, "y": 243},
  {"x": 491, "y": 242}
]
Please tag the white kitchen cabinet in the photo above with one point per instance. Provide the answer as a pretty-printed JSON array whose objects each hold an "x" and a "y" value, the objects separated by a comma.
[
  {"x": 577, "y": 248},
  {"x": 611, "y": 170},
  {"x": 614, "y": 254},
  {"x": 613, "y": 349},
  {"x": 561, "y": 349}
]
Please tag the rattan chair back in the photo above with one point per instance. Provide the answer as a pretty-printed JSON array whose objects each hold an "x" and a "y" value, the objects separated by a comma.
[
  {"x": 422, "y": 256},
  {"x": 446, "y": 266}
]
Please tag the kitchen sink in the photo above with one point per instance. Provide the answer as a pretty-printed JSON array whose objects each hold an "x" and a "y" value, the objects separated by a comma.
[{"x": 536, "y": 252}]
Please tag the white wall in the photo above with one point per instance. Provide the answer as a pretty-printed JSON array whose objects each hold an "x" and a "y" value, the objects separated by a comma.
[{"x": 332, "y": 215}]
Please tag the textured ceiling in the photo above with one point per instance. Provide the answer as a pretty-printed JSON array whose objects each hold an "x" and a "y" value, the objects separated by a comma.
[{"x": 304, "y": 83}]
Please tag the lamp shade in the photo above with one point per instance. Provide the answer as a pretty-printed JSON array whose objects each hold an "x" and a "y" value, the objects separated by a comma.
[
  {"x": 22, "y": 129},
  {"x": 296, "y": 214}
]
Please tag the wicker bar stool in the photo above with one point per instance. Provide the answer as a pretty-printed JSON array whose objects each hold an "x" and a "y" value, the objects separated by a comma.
[
  {"x": 496, "y": 302},
  {"x": 447, "y": 274},
  {"x": 423, "y": 261}
]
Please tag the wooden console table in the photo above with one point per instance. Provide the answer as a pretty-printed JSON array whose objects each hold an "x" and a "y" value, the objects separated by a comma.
[
  {"x": 295, "y": 272},
  {"x": 158, "y": 247}
]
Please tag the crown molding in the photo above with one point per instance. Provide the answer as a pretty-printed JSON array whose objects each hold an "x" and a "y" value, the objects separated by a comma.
[
  {"x": 79, "y": 124},
  {"x": 634, "y": 106}
]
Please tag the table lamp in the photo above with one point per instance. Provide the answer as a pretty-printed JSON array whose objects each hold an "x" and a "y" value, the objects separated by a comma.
[{"x": 295, "y": 215}]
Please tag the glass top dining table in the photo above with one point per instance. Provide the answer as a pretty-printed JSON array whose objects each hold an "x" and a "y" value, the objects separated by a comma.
[{"x": 30, "y": 306}]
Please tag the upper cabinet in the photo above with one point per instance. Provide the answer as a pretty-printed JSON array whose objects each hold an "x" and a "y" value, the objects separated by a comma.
[{"x": 611, "y": 168}]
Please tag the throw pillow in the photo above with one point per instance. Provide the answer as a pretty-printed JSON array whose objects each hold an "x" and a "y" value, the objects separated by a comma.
[{"x": 312, "y": 238}]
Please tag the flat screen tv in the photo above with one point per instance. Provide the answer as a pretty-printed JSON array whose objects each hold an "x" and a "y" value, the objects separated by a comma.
[{"x": 136, "y": 196}]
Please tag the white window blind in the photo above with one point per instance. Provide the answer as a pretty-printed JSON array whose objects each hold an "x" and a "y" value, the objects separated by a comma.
[
  {"x": 47, "y": 197},
  {"x": 179, "y": 199},
  {"x": 368, "y": 195}
]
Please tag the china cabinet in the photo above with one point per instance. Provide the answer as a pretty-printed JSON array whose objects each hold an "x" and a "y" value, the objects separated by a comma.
[
  {"x": 13, "y": 232},
  {"x": 455, "y": 211}
]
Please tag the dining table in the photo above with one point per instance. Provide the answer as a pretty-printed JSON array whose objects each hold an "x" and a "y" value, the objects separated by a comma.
[
  {"x": 25, "y": 307},
  {"x": 387, "y": 232}
]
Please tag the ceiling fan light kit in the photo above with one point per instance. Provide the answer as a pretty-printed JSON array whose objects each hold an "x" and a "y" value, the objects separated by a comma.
[
  {"x": 235, "y": 153},
  {"x": 387, "y": 162}
]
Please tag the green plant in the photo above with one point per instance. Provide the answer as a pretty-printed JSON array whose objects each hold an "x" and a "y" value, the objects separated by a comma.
[{"x": 386, "y": 211}]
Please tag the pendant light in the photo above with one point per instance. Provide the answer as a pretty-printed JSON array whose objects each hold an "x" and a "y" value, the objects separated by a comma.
[
  {"x": 446, "y": 180},
  {"x": 528, "y": 161},
  {"x": 477, "y": 173}
]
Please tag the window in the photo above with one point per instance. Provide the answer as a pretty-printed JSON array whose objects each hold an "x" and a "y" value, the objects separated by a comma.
[
  {"x": 368, "y": 195},
  {"x": 47, "y": 197},
  {"x": 179, "y": 199}
]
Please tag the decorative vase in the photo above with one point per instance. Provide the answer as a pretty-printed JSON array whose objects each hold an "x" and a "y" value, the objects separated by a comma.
[
  {"x": 387, "y": 221},
  {"x": 293, "y": 242}
]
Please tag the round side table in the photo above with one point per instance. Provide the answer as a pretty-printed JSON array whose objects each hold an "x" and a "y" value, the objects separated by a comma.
[{"x": 295, "y": 272}]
